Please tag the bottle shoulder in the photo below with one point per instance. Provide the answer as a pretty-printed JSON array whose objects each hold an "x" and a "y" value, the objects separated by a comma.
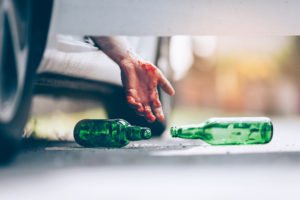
[
  {"x": 237, "y": 119},
  {"x": 120, "y": 121}
]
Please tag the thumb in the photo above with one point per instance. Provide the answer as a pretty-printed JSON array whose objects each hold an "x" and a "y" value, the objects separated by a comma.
[{"x": 165, "y": 84}]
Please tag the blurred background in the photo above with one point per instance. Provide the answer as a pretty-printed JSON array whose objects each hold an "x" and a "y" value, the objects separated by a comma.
[{"x": 213, "y": 75}]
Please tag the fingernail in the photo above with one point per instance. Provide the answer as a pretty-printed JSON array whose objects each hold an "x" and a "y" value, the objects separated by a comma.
[
  {"x": 161, "y": 118},
  {"x": 141, "y": 109},
  {"x": 151, "y": 119}
]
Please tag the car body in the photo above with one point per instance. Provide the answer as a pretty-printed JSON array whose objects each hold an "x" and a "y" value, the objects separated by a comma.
[
  {"x": 36, "y": 59},
  {"x": 29, "y": 27}
]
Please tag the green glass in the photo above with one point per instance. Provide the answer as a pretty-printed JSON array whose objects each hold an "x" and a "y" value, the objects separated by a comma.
[
  {"x": 112, "y": 133},
  {"x": 228, "y": 131}
]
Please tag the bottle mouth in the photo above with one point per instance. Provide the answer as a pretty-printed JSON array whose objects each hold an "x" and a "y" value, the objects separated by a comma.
[
  {"x": 270, "y": 136},
  {"x": 174, "y": 131},
  {"x": 146, "y": 133},
  {"x": 135, "y": 133}
]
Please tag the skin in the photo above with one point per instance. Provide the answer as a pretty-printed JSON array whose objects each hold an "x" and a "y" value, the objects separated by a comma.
[{"x": 140, "y": 78}]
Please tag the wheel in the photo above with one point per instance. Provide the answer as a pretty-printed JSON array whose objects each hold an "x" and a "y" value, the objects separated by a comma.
[
  {"x": 117, "y": 106},
  {"x": 23, "y": 34}
]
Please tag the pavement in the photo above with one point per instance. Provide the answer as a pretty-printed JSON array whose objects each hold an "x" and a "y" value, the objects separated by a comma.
[{"x": 160, "y": 168}]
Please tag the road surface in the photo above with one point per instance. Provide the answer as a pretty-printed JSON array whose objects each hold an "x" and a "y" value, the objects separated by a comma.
[{"x": 162, "y": 168}]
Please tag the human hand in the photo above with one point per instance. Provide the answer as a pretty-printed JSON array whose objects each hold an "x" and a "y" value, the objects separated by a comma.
[{"x": 140, "y": 80}]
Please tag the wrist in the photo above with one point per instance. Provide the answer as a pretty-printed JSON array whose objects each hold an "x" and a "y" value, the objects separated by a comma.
[{"x": 129, "y": 60}]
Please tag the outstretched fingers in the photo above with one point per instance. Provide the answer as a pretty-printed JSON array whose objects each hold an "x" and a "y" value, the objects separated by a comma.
[
  {"x": 142, "y": 109},
  {"x": 138, "y": 107},
  {"x": 148, "y": 114},
  {"x": 157, "y": 109}
]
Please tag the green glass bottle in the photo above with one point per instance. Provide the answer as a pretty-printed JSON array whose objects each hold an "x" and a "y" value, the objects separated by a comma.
[
  {"x": 112, "y": 133},
  {"x": 228, "y": 131}
]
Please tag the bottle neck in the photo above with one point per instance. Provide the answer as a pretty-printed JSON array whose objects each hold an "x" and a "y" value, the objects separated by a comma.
[{"x": 134, "y": 133}]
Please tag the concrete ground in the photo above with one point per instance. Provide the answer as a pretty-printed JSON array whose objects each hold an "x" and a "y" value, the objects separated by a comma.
[{"x": 162, "y": 168}]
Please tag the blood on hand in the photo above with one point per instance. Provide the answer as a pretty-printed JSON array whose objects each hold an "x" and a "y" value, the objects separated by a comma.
[{"x": 141, "y": 80}]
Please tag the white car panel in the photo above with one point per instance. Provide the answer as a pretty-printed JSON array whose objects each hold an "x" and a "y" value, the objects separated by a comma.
[{"x": 177, "y": 17}]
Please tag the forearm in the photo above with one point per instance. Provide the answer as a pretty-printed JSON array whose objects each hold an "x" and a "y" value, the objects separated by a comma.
[
  {"x": 140, "y": 78},
  {"x": 117, "y": 48}
]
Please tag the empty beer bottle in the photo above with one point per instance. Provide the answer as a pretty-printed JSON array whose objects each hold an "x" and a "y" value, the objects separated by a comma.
[
  {"x": 228, "y": 131},
  {"x": 113, "y": 133}
]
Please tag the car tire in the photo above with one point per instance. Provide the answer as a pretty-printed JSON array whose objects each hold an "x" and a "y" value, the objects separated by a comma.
[
  {"x": 23, "y": 34},
  {"x": 117, "y": 106}
]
